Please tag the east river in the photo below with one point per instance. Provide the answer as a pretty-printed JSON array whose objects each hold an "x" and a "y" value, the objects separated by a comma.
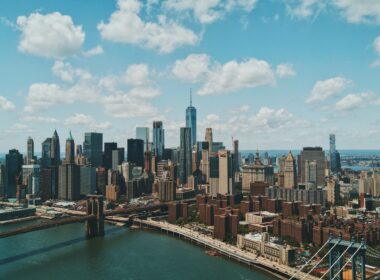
[{"x": 64, "y": 253}]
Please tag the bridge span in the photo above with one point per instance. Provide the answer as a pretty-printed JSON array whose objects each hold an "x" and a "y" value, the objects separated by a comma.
[{"x": 93, "y": 218}]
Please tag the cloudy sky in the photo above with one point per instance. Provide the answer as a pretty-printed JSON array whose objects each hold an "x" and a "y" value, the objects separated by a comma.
[{"x": 275, "y": 74}]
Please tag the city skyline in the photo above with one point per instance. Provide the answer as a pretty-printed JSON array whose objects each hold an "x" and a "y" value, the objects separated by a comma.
[{"x": 272, "y": 86}]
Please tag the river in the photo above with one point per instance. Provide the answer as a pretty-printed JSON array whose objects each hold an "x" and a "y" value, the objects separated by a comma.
[{"x": 64, "y": 253}]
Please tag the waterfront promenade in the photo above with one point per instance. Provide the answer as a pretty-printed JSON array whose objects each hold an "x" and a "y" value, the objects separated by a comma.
[{"x": 230, "y": 251}]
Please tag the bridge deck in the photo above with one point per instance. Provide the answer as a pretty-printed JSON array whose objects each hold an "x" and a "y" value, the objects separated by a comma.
[{"x": 45, "y": 225}]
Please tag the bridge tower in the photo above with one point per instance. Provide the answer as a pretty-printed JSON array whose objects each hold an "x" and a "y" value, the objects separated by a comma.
[
  {"x": 95, "y": 207},
  {"x": 355, "y": 253}
]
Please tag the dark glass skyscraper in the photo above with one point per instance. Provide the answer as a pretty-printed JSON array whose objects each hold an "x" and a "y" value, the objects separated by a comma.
[
  {"x": 13, "y": 165},
  {"x": 191, "y": 121},
  {"x": 93, "y": 148},
  {"x": 70, "y": 146},
  {"x": 136, "y": 152},
  {"x": 158, "y": 139},
  {"x": 334, "y": 156},
  {"x": 107, "y": 156},
  {"x": 55, "y": 151},
  {"x": 185, "y": 159}
]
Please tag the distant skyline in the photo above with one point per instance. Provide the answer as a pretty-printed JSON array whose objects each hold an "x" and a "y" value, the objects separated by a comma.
[{"x": 278, "y": 74}]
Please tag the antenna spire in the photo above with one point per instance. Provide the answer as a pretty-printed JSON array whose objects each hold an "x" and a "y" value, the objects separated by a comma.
[{"x": 191, "y": 98}]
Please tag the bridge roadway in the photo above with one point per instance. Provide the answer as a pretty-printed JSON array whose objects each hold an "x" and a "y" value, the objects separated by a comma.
[
  {"x": 47, "y": 224},
  {"x": 251, "y": 259},
  {"x": 81, "y": 217}
]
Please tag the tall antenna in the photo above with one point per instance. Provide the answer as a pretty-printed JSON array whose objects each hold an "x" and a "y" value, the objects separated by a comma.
[{"x": 191, "y": 98}]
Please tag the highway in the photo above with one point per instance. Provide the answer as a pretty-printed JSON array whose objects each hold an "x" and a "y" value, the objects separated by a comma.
[{"x": 225, "y": 249}]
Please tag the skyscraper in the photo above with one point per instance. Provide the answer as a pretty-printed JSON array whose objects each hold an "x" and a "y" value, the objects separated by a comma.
[
  {"x": 142, "y": 133},
  {"x": 185, "y": 160},
  {"x": 158, "y": 139},
  {"x": 69, "y": 175},
  {"x": 70, "y": 155},
  {"x": 236, "y": 156},
  {"x": 208, "y": 138},
  {"x": 118, "y": 157},
  {"x": 290, "y": 172},
  {"x": 313, "y": 162},
  {"x": 2, "y": 180},
  {"x": 55, "y": 151},
  {"x": 191, "y": 121},
  {"x": 107, "y": 156},
  {"x": 30, "y": 151},
  {"x": 226, "y": 178},
  {"x": 13, "y": 164},
  {"x": 92, "y": 148},
  {"x": 334, "y": 156},
  {"x": 136, "y": 152}
]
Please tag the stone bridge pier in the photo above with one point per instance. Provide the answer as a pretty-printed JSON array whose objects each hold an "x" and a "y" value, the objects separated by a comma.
[{"x": 95, "y": 207}]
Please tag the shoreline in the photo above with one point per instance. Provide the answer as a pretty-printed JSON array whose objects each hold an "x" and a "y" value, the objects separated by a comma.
[{"x": 258, "y": 263}]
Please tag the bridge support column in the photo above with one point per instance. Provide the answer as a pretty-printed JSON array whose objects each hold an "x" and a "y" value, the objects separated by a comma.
[
  {"x": 95, "y": 206},
  {"x": 353, "y": 268}
]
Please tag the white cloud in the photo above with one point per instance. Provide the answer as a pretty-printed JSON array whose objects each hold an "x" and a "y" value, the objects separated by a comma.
[
  {"x": 376, "y": 46},
  {"x": 233, "y": 76},
  {"x": 125, "y": 106},
  {"x": 121, "y": 96},
  {"x": 327, "y": 88},
  {"x": 302, "y": 9},
  {"x": 94, "y": 51},
  {"x": 268, "y": 119},
  {"x": 86, "y": 120},
  {"x": 355, "y": 101},
  {"x": 40, "y": 119},
  {"x": 137, "y": 75},
  {"x": 193, "y": 68},
  {"x": 126, "y": 26},
  {"x": 144, "y": 92},
  {"x": 63, "y": 70},
  {"x": 6, "y": 105},
  {"x": 285, "y": 70},
  {"x": 52, "y": 35},
  {"x": 208, "y": 11},
  {"x": 359, "y": 11},
  {"x": 223, "y": 78}
]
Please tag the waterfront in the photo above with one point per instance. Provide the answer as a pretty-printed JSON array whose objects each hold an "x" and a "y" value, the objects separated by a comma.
[{"x": 63, "y": 253}]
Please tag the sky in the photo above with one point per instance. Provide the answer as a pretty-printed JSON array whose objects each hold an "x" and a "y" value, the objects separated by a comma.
[{"x": 275, "y": 74}]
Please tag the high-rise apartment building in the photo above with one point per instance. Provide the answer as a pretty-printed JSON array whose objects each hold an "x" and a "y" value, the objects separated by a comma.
[
  {"x": 185, "y": 159},
  {"x": 313, "y": 166},
  {"x": 158, "y": 139},
  {"x": 191, "y": 121},
  {"x": 92, "y": 148},
  {"x": 2, "y": 180}
]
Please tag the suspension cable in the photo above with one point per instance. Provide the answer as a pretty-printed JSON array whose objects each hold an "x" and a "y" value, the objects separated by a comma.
[
  {"x": 298, "y": 271},
  {"x": 336, "y": 275},
  {"x": 345, "y": 251},
  {"x": 321, "y": 260}
]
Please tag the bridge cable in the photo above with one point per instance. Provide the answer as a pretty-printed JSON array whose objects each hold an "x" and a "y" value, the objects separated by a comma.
[
  {"x": 345, "y": 251},
  {"x": 336, "y": 275},
  {"x": 299, "y": 270},
  {"x": 321, "y": 260}
]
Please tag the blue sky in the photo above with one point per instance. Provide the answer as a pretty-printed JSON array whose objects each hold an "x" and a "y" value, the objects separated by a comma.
[{"x": 275, "y": 74}]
